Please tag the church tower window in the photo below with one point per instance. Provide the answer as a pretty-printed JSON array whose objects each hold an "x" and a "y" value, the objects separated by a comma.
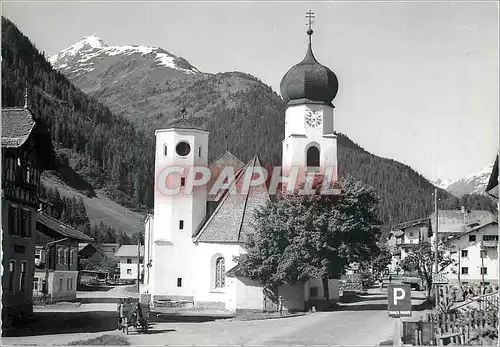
[
  {"x": 165, "y": 150},
  {"x": 179, "y": 282},
  {"x": 181, "y": 225},
  {"x": 312, "y": 157},
  {"x": 220, "y": 276},
  {"x": 183, "y": 149},
  {"x": 183, "y": 181},
  {"x": 199, "y": 151}
]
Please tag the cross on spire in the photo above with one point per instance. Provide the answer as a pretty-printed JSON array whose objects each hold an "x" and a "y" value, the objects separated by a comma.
[{"x": 309, "y": 17}]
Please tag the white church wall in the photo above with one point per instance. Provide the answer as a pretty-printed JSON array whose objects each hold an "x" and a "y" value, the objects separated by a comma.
[
  {"x": 249, "y": 295},
  {"x": 317, "y": 292}
]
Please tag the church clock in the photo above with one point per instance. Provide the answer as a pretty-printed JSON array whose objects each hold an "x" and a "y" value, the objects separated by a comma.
[{"x": 313, "y": 118}]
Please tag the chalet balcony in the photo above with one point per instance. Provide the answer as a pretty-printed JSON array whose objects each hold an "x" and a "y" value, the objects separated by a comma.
[{"x": 490, "y": 243}]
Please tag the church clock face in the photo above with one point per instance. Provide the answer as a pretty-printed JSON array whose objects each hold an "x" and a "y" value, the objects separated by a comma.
[{"x": 313, "y": 118}]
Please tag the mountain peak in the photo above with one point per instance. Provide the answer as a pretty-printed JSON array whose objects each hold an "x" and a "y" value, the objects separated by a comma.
[{"x": 81, "y": 56}]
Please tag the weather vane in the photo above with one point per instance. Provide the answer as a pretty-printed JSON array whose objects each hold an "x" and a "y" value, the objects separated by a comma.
[{"x": 310, "y": 16}]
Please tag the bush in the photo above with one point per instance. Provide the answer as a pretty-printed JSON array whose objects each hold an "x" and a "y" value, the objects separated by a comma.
[{"x": 104, "y": 340}]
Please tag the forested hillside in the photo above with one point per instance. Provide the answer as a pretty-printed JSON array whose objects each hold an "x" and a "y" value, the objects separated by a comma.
[{"x": 100, "y": 150}]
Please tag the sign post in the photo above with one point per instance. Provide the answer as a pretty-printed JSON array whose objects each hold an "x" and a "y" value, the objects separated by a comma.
[{"x": 399, "y": 305}]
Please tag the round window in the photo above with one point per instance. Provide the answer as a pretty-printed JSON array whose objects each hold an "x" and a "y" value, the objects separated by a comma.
[{"x": 183, "y": 149}]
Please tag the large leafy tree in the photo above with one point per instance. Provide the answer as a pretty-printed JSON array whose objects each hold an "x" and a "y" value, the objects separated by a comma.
[
  {"x": 298, "y": 237},
  {"x": 422, "y": 261}
]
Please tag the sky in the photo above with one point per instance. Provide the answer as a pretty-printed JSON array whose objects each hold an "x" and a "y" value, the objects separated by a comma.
[{"x": 418, "y": 81}]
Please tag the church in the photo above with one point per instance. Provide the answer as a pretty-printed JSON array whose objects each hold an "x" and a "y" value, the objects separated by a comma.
[{"x": 191, "y": 239}]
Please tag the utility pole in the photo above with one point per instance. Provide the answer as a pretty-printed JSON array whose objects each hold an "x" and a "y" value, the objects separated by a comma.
[
  {"x": 139, "y": 265},
  {"x": 436, "y": 263},
  {"x": 459, "y": 270},
  {"x": 482, "y": 267}
]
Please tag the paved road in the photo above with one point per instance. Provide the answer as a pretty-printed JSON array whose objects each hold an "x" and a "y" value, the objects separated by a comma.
[
  {"x": 360, "y": 322},
  {"x": 108, "y": 292}
]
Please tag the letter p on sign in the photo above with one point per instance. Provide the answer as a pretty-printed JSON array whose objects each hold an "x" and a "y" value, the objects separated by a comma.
[{"x": 399, "y": 300}]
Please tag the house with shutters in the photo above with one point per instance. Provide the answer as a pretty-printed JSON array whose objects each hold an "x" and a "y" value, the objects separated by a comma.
[
  {"x": 26, "y": 152},
  {"x": 56, "y": 259},
  {"x": 475, "y": 255}
]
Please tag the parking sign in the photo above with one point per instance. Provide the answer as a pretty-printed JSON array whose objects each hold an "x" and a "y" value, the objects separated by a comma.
[{"x": 399, "y": 304}]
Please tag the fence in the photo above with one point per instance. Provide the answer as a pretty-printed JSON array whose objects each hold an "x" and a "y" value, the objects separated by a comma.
[{"x": 467, "y": 325}]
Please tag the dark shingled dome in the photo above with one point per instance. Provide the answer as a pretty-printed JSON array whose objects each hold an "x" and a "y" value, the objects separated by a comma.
[{"x": 309, "y": 81}]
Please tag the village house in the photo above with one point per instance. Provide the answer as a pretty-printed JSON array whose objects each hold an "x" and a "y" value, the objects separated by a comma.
[
  {"x": 453, "y": 222},
  {"x": 193, "y": 238},
  {"x": 475, "y": 255},
  {"x": 404, "y": 237},
  {"x": 56, "y": 259},
  {"x": 128, "y": 260},
  {"x": 26, "y": 152},
  {"x": 91, "y": 253}
]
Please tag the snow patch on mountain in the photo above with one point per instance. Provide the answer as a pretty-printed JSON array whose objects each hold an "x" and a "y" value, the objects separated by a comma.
[
  {"x": 441, "y": 183},
  {"x": 471, "y": 184},
  {"x": 91, "y": 49}
]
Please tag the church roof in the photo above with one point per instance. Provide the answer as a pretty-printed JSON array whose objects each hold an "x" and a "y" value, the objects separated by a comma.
[
  {"x": 226, "y": 159},
  {"x": 185, "y": 124},
  {"x": 17, "y": 124},
  {"x": 232, "y": 219}
]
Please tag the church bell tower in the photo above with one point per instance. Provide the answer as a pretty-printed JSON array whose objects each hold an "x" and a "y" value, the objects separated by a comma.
[{"x": 309, "y": 88}]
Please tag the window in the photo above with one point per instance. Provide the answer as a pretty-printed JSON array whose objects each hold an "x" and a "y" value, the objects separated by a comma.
[
  {"x": 313, "y": 292},
  {"x": 60, "y": 284},
  {"x": 165, "y": 150},
  {"x": 183, "y": 181},
  {"x": 490, "y": 237},
  {"x": 181, "y": 225},
  {"x": 29, "y": 174},
  {"x": 25, "y": 223},
  {"x": 484, "y": 253},
  {"x": 71, "y": 259},
  {"x": 313, "y": 157},
  {"x": 179, "y": 282},
  {"x": 129, "y": 261},
  {"x": 465, "y": 253},
  {"x": 220, "y": 273},
  {"x": 22, "y": 277},
  {"x": 472, "y": 238},
  {"x": 38, "y": 253},
  {"x": 12, "y": 275},
  {"x": 465, "y": 270},
  {"x": 183, "y": 149},
  {"x": 13, "y": 220},
  {"x": 484, "y": 271},
  {"x": 199, "y": 151},
  {"x": 35, "y": 283},
  {"x": 69, "y": 283},
  {"x": 129, "y": 271},
  {"x": 66, "y": 257},
  {"x": 140, "y": 260}
]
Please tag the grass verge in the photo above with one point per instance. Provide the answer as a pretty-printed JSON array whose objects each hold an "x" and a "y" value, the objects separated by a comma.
[{"x": 104, "y": 340}]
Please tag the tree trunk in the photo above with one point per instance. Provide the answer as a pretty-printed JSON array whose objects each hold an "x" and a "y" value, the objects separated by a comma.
[{"x": 326, "y": 290}]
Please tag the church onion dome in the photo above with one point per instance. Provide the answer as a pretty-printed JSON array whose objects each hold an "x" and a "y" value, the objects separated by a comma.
[{"x": 309, "y": 81}]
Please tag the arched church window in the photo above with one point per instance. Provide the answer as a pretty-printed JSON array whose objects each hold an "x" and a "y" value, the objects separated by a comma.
[
  {"x": 313, "y": 157},
  {"x": 220, "y": 276},
  {"x": 165, "y": 150}
]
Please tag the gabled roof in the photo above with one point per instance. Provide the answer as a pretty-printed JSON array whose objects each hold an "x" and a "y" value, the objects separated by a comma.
[
  {"x": 472, "y": 230},
  {"x": 231, "y": 220},
  {"x": 397, "y": 233},
  {"x": 184, "y": 124},
  {"x": 61, "y": 228},
  {"x": 226, "y": 159},
  {"x": 85, "y": 246},
  {"x": 457, "y": 218},
  {"x": 493, "y": 181},
  {"x": 129, "y": 251},
  {"x": 17, "y": 124},
  {"x": 406, "y": 225}
]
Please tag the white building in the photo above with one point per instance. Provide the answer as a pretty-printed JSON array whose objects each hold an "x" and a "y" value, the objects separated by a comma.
[
  {"x": 475, "y": 252},
  {"x": 405, "y": 237},
  {"x": 129, "y": 259},
  {"x": 193, "y": 237}
]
